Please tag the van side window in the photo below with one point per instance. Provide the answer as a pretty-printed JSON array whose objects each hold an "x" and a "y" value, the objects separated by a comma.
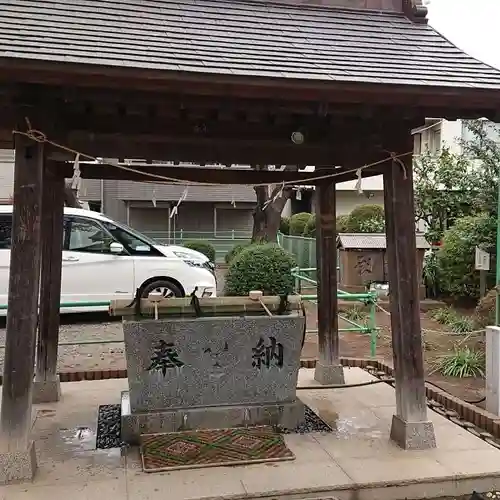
[
  {"x": 5, "y": 231},
  {"x": 87, "y": 236}
]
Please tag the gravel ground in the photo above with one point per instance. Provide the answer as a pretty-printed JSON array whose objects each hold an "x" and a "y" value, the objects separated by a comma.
[
  {"x": 109, "y": 426},
  {"x": 88, "y": 328}
]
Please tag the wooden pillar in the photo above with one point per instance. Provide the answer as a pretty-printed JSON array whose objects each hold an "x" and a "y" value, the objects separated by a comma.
[
  {"x": 19, "y": 461},
  {"x": 328, "y": 368},
  {"x": 410, "y": 426},
  {"x": 47, "y": 387}
]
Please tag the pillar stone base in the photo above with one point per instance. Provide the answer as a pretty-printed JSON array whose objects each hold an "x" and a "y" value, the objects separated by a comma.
[
  {"x": 413, "y": 435},
  {"x": 18, "y": 466},
  {"x": 47, "y": 391},
  {"x": 329, "y": 374}
]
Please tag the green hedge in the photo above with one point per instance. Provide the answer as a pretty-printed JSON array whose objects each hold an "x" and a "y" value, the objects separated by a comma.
[
  {"x": 235, "y": 251},
  {"x": 298, "y": 223},
  {"x": 265, "y": 267},
  {"x": 204, "y": 247}
]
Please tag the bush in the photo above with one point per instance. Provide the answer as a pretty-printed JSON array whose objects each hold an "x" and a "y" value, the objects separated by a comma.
[
  {"x": 201, "y": 246},
  {"x": 431, "y": 274},
  {"x": 298, "y": 223},
  {"x": 458, "y": 277},
  {"x": 310, "y": 227},
  {"x": 355, "y": 313},
  {"x": 486, "y": 310},
  {"x": 261, "y": 267},
  {"x": 342, "y": 221},
  {"x": 235, "y": 251},
  {"x": 443, "y": 315},
  {"x": 462, "y": 362},
  {"x": 285, "y": 225},
  {"x": 461, "y": 324},
  {"x": 366, "y": 219}
]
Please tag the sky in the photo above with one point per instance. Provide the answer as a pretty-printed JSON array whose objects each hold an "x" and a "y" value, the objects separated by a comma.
[{"x": 472, "y": 25}]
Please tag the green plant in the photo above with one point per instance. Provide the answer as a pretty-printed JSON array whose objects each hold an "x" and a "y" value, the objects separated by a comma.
[
  {"x": 463, "y": 362},
  {"x": 432, "y": 274},
  {"x": 355, "y": 313},
  {"x": 285, "y": 225},
  {"x": 341, "y": 223},
  {"x": 486, "y": 310},
  {"x": 265, "y": 267},
  {"x": 236, "y": 250},
  {"x": 366, "y": 219},
  {"x": 204, "y": 247},
  {"x": 458, "y": 277},
  {"x": 298, "y": 223},
  {"x": 461, "y": 324},
  {"x": 443, "y": 315},
  {"x": 310, "y": 227}
]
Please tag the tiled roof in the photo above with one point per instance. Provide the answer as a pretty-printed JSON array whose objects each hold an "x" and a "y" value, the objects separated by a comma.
[
  {"x": 239, "y": 38},
  {"x": 374, "y": 241}
]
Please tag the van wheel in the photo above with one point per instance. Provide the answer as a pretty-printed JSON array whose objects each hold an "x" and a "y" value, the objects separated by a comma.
[{"x": 168, "y": 289}]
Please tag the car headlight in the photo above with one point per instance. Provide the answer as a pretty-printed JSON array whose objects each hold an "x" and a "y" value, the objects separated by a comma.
[{"x": 193, "y": 263}]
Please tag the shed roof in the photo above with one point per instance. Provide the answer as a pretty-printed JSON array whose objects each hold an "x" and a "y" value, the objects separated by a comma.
[
  {"x": 239, "y": 38},
  {"x": 371, "y": 241}
]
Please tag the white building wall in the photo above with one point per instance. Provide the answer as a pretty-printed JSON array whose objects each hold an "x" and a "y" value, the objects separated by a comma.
[
  {"x": 6, "y": 174},
  {"x": 451, "y": 133}
]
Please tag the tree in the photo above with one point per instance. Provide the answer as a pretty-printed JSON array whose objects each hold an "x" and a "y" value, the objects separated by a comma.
[
  {"x": 271, "y": 201},
  {"x": 366, "y": 219},
  {"x": 71, "y": 197},
  {"x": 482, "y": 146},
  {"x": 456, "y": 255},
  {"x": 445, "y": 189}
]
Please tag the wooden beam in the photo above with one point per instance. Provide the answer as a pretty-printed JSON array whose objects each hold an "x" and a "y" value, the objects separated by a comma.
[
  {"x": 471, "y": 100},
  {"x": 328, "y": 369},
  {"x": 200, "y": 174},
  {"x": 411, "y": 405},
  {"x": 52, "y": 219},
  {"x": 23, "y": 298},
  {"x": 348, "y": 162}
]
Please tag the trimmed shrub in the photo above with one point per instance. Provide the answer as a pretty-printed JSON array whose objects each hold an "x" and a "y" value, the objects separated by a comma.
[
  {"x": 458, "y": 278},
  {"x": 204, "y": 247},
  {"x": 235, "y": 251},
  {"x": 366, "y": 219},
  {"x": 310, "y": 227},
  {"x": 298, "y": 223},
  {"x": 341, "y": 223},
  {"x": 265, "y": 267},
  {"x": 285, "y": 225}
]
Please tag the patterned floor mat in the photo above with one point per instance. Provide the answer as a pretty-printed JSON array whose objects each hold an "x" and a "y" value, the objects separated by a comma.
[{"x": 212, "y": 448}]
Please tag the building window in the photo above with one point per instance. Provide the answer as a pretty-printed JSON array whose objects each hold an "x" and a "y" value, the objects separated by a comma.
[
  {"x": 435, "y": 139},
  {"x": 417, "y": 144}
]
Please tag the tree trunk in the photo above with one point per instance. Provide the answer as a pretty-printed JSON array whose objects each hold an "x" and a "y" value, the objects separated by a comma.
[
  {"x": 70, "y": 197},
  {"x": 267, "y": 213}
]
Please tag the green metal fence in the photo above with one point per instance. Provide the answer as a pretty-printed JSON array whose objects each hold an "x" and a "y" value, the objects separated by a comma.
[
  {"x": 304, "y": 251},
  {"x": 367, "y": 325},
  {"x": 223, "y": 241}
]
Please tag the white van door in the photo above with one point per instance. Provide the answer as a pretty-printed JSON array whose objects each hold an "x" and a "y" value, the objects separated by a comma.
[{"x": 91, "y": 272}]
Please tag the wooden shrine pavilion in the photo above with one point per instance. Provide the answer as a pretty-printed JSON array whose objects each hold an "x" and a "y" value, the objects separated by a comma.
[{"x": 338, "y": 84}]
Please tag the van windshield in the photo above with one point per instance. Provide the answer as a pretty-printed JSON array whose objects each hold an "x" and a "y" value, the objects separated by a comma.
[{"x": 133, "y": 232}]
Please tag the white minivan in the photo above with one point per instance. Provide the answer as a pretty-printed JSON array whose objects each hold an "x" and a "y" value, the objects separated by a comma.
[{"x": 104, "y": 260}]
